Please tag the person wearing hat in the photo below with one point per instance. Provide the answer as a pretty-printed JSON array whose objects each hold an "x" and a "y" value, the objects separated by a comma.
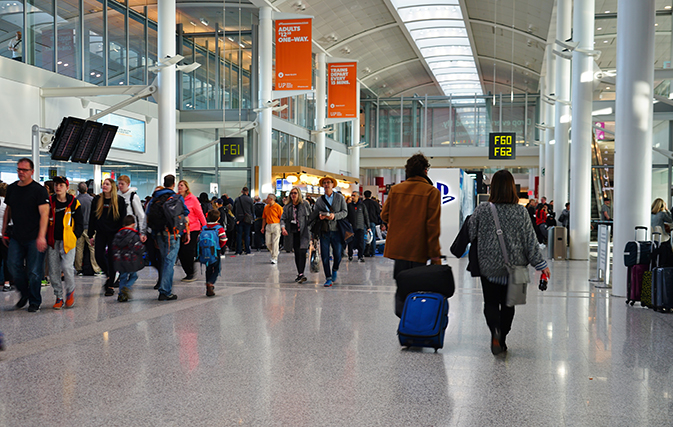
[
  {"x": 330, "y": 208},
  {"x": 66, "y": 225}
]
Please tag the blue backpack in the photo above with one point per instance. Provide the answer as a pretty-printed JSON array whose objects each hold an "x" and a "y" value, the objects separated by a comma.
[{"x": 209, "y": 244}]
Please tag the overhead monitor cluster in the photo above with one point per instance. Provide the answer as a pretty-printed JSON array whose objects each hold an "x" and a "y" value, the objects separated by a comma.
[{"x": 82, "y": 141}]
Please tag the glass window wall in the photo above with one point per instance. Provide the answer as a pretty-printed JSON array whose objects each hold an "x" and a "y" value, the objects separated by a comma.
[{"x": 445, "y": 121}]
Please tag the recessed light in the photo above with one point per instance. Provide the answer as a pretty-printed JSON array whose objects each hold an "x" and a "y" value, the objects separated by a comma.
[
  {"x": 606, "y": 41},
  {"x": 607, "y": 87},
  {"x": 599, "y": 28},
  {"x": 607, "y": 11},
  {"x": 667, "y": 7},
  {"x": 656, "y": 25}
]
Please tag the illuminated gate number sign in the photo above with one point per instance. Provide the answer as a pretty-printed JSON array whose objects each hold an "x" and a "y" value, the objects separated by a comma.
[
  {"x": 502, "y": 145},
  {"x": 231, "y": 150}
]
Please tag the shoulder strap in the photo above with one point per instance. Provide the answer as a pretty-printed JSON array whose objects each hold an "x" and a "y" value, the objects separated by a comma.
[
  {"x": 499, "y": 232},
  {"x": 324, "y": 199}
]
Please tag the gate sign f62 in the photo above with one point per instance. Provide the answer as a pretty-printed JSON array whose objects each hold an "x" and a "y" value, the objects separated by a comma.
[{"x": 501, "y": 145}]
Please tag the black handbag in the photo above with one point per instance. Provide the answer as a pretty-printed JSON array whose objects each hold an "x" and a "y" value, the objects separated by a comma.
[{"x": 460, "y": 245}]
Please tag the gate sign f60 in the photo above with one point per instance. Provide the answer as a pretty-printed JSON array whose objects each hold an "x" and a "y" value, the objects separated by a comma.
[{"x": 501, "y": 145}]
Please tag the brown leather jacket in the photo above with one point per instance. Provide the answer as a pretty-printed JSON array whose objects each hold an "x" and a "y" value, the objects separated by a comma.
[{"x": 412, "y": 212}]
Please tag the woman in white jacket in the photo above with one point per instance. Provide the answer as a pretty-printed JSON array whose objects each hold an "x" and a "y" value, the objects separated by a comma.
[{"x": 134, "y": 205}]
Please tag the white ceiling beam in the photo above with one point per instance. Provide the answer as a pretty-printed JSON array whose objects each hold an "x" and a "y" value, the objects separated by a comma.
[
  {"x": 509, "y": 64},
  {"x": 413, "y": 88},
  {"x": 507, "y": 28},
  {"x": 59, "y": 92},
  {"x": 390, "y": 67},
  {"x": 366, "y": 33}
]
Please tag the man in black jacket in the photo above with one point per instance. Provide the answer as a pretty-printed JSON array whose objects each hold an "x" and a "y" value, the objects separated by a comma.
[
  {"x": 243, "y": 210},
  {"x": 258, "y": 242},
  {"x": 374, "y": 210},
  {"x": 358, "y": 216}
]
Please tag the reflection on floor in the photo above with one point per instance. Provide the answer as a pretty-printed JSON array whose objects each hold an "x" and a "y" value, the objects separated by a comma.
[{"x": 268, "y": 352}]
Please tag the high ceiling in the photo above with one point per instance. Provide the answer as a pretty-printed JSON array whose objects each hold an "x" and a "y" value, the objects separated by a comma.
[{"x": 391, "y": 64}]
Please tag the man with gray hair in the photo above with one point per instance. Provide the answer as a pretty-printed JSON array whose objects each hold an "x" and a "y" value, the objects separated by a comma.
[
  {"x": 271, "y": 226},
  {"x": 84, "y": 199}
]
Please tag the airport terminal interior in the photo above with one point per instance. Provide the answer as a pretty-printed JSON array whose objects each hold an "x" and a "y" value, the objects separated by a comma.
[{"x": 273, "y": 95}]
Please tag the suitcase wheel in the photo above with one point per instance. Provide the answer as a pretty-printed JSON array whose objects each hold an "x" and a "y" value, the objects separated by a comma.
[
  {"x": 627, "y": 301},
  {"x": 632, "y": 302}
]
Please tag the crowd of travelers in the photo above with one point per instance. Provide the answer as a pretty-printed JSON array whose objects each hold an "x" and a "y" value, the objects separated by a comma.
[
  {"x": 51, "y": 233},
  {"x": 115, "y": 233}
]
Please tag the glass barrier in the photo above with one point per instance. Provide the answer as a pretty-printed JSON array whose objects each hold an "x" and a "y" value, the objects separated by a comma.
[{"x": 447, "y": 121}]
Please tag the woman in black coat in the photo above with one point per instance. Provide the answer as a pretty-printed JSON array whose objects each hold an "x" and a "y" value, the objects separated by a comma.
[
  {"x": 107, "y": 215},
  {"x": 294, "y": 228}
]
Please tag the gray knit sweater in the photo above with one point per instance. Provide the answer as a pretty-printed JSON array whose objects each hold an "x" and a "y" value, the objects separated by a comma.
[{"x": 522, "y": 245}]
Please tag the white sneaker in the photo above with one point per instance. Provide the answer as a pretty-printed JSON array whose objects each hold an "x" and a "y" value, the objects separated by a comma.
[{"x": 274, "y": 261}]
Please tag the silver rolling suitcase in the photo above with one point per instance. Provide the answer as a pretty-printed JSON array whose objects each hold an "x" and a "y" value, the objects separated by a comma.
[{"x": 557, "y": 242}]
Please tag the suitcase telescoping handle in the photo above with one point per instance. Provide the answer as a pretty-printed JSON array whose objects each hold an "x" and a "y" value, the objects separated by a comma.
[
  {"x": 640, "y": 227},
  {"x": 658, "y": 234}
]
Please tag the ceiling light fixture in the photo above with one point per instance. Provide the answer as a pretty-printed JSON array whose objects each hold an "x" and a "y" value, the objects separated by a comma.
[{"x": 204, "y": 21}]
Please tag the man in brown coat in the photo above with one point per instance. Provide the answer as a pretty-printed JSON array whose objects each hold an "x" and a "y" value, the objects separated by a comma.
[{"x": 412, "y": 212}]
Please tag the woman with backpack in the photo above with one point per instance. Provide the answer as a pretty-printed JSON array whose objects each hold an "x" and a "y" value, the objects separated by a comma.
[
  {"x": 294, "y": 226},
  {"x": 197, "y": 221},
  {"x": 108, "y": 210}
]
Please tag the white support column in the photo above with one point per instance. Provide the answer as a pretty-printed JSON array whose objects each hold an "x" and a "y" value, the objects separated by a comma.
[
  {"x": 542, "y": 138},
  {"x": 320, "y": 95},
  {"x": 265, "y": 87},
  {"x": 562, "y": 118},
  {"x": 355, "y": 139},
  {"x": 166, "y": 89},
  {"x": 633, "y": 134},
  {"x": 541, "y": 184},
  {"x": 548, "y": 190},
  {"x": 580, "y": 149}
]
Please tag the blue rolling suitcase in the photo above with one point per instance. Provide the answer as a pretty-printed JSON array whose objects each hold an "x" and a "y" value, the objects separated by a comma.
[
  {"x": 424, "y": 320},
  {"x": 662, "y": 289}
]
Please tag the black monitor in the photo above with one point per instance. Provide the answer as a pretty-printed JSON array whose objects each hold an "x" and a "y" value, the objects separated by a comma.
[
  {"x": 100, "y": 152},
  {"x": 67, "y": 138},
  {"x": 88, "y": 141}
]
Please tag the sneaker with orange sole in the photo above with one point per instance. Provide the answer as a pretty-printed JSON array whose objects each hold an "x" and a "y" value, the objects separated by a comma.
[
  {"x": 58, "y": 304},
  {"x": 70, "y": 300}
]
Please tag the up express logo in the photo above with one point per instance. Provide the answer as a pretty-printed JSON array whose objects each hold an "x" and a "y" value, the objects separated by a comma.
[{"x": 444, "y": 191}]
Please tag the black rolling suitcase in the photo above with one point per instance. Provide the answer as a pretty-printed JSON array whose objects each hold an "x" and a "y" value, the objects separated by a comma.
[
  {"x": 428, "y": 278},
  {"x": 638, "y": 251}
]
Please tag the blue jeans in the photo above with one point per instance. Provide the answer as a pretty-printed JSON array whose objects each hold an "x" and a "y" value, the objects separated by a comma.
[
  {"x": 168, "y": 247},
  {"x": 213, "y": 272},
  {"x": 372, "y": 246},
  {"x": 126, "y": 280},
  {"x": 331, "y": 238},
  {"x": 242, "y": 233},
  {"x": 28, "y": 277}
]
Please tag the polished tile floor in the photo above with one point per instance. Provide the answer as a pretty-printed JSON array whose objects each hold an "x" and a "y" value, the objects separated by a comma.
[{"x": 268, "y": 352}]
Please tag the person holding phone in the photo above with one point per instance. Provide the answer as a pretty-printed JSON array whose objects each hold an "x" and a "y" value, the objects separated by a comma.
[{"x": 330, "y": 208}]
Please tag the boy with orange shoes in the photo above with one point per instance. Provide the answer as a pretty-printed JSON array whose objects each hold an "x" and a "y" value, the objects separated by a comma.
[{"x": 65, "y": 226}]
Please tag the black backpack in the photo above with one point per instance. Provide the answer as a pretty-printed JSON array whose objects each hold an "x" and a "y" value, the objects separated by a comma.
[{"x": 167, "y": 214}]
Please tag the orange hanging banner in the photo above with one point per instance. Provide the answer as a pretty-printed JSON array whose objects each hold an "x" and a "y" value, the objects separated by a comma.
[
  {"x": 342, "y": 90},
  {"x": 293, "y": 54}
]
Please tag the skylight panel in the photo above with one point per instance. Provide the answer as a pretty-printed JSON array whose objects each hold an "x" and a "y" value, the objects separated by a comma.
[
  {"x": 429, "y": 33},
  {"x": 438, "y": 29},
  {"x": 443, "y": 41},
  {"x": 423, "y": 13},
  {"x": 413, "y": 3}
]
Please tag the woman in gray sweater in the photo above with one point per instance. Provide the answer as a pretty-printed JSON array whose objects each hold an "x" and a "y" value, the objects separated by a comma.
[{"x": 522, "y": 247}]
